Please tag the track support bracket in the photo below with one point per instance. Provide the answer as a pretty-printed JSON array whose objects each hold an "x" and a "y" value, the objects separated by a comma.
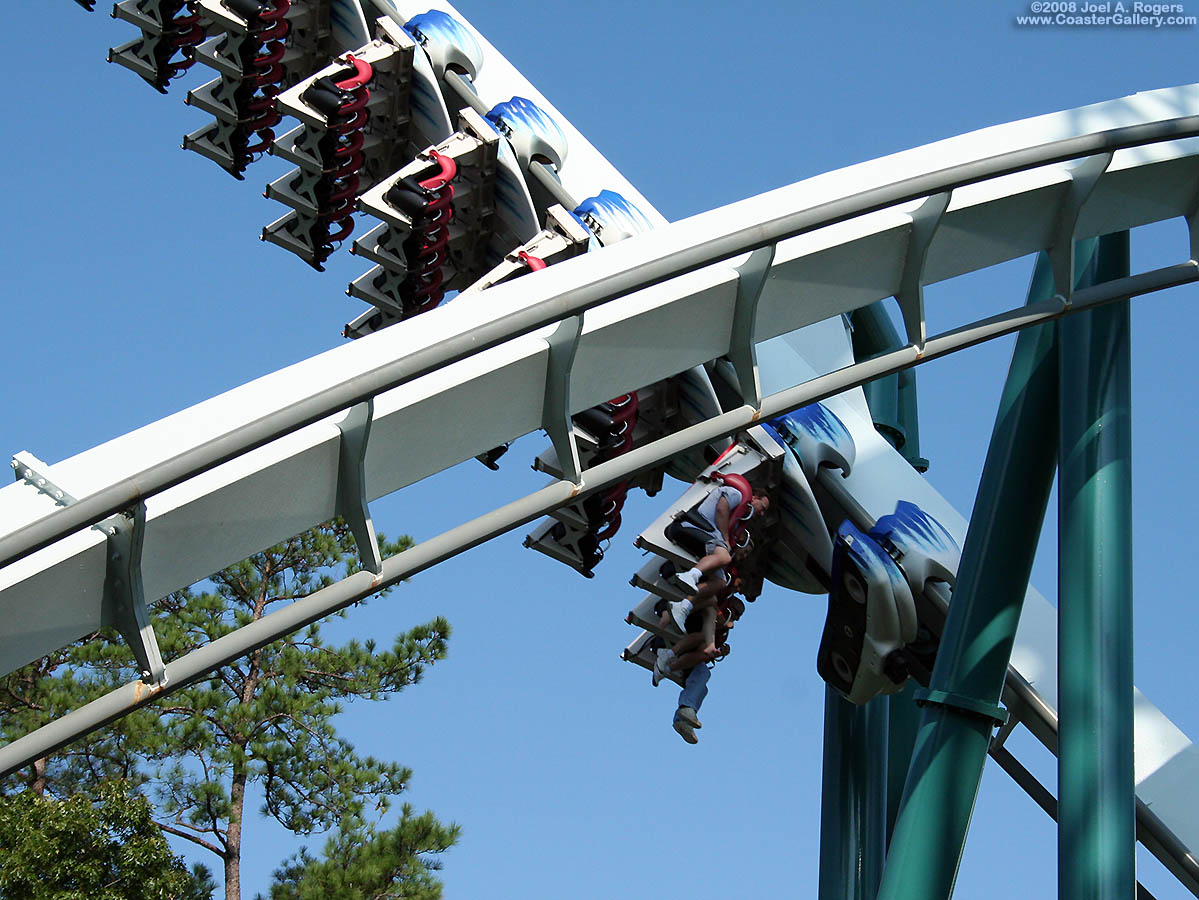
[
  {"x": 743, "y": 352},
  {"x": 355, "y": 431},
  {"x": 555, "y": 413},
  {"x": 124, "y": 598},
  {"x": 1083, "y": 179},
  {"x": 910, "y": 295},
  {"x": 124, "y": 592}
]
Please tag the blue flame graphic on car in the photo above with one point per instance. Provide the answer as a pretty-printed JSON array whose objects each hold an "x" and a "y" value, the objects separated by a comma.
[
  {"x": 863, "y": 550},
  {"x": 818, "y": 422},
  {"x": 911, "y": 526},
  {"x": 612, "y": 212},
  {"x": 442, "y": 28},
  {"x": 521, "y": 114},
  {"x": 815, "y": 419}
]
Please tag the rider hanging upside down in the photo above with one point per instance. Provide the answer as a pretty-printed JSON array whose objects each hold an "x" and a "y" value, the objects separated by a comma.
[
  {"x": 693, "y": 658},
  {"x": 716, "y": 511},
  {"x": 696, "y": 618}
]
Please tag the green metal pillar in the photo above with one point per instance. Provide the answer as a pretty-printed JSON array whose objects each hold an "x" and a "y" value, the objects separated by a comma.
[
  {"x": 903, "y": 721},
  {"x": 892, "y": 398},
  {"x": 909, "y": 417},
  {"x": 961, "y": 704},
  {"x": 853, "y": 800},
  {"x": 1097, "y": 801}
]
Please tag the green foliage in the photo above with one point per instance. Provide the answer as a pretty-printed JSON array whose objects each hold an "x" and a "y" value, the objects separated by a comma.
[
  {"x": 200, "y": 886},
  {"x": 106, "y": 849},
  {"x": 265, "y": 721},
  {"x": 359, "y": 863}
]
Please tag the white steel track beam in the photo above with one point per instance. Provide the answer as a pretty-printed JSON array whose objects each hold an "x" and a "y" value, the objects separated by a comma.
[{"x": 195, "y": 523}]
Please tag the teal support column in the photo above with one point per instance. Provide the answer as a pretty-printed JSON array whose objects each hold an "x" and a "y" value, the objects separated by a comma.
[
  {"x": 909, "y": 417},
  {"x": 903, "y": 720},
  {"x": 872, "y": 333},
  {"x": 853, "y": 799},
  {"x": 961, "y": 704},
  {"x": 892, "y": 399},
  {"x": 1097, "y": 804}
]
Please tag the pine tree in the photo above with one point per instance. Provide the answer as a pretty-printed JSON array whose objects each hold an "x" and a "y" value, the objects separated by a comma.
[
  {"x": 106, "y": 848},
  {"x": 360, "y": 862},
  {"x": 264, "y": 721}
]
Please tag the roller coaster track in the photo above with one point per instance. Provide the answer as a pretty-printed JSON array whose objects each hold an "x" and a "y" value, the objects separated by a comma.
[{"x": 329, "y": 434}]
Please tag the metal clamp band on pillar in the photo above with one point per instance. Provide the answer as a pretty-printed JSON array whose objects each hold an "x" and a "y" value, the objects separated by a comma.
[
  {"x": 743, "y": 352},
  {"x": 963, "y": 705},
  {"x": 910, "y": 295},
  {"x": 355, "y": 431},
  {"x": 1015, "y": 710},
  {"x": 555, "y": 414},
  {"x": 124, "y": 593},
  {"x": 1083, "y": 179}
]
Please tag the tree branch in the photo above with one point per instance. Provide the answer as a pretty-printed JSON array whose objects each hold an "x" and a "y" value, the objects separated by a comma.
[{"x": 194, "y": 838}]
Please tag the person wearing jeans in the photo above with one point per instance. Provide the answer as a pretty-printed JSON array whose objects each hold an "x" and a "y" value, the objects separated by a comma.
[{"x": 695, "y": 689}]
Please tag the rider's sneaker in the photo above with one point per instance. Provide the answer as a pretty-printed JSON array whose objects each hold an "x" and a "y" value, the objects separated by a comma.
[
  {"x": 679, "y": 611},
  {"x": 688, "y": 581}
]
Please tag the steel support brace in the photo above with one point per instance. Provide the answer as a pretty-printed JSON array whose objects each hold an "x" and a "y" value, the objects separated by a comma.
[
  {"x": 951, "y": 743},
  {"x": 555, "y": 415},
  {"x": 355, "y": 431},
  {"x": 1083, "y": 179},
  {"x": 910, "y": 295},
  {"x": 1096, "y": 785},
  {"x": 743, "y": 352},
  {"x": 853, "y": 798},
  {"x": 124, "y": 599},
  {"x": 124, "y": 593}
]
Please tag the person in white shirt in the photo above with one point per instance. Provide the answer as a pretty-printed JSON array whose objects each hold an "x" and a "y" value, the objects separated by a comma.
[{"x": 716, "y": 510}]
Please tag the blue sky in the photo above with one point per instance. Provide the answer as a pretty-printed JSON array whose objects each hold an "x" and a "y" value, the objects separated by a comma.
[{"x": 137, "y": 286}]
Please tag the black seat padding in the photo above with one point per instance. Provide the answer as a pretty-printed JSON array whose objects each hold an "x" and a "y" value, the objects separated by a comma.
[{"x": 687, "y": 536}]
